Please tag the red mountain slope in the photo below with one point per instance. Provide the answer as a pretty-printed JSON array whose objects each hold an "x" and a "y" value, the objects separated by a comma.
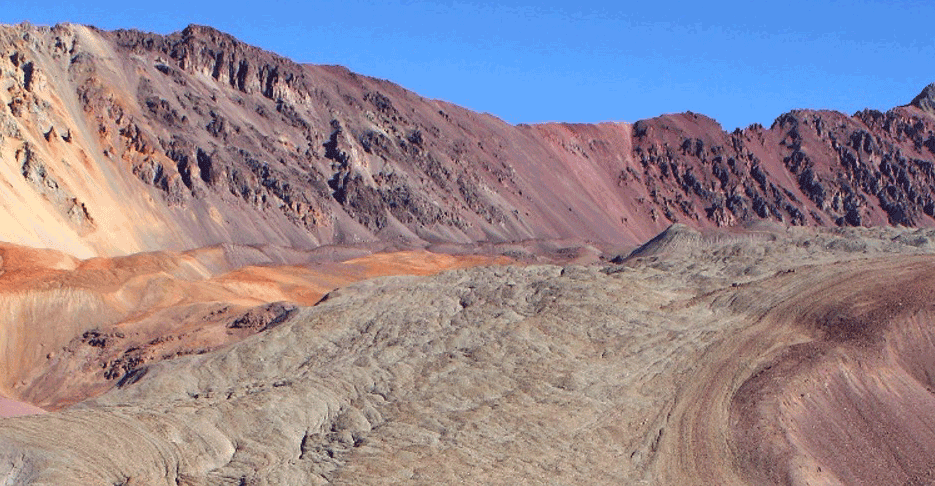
[{"x": 117, "y": 142}]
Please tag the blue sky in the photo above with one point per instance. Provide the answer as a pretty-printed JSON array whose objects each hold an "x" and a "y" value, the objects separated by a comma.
[{"x": 526, "y": 62}]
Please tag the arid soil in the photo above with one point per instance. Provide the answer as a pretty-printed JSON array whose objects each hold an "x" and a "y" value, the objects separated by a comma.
[
  {"x": 12, "y": 408},
  {"x": 73, "y": 328},
  {"x": 772, "y": 356}
]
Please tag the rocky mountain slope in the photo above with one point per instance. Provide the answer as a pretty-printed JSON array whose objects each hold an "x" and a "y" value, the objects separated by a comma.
[
  {"x": 191, "y": 228},
  {"x": 119, "y": 142}
]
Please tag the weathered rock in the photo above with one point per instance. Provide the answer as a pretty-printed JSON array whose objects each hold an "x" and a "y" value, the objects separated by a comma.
[
  {"x": 925, "y": 100},
  {"x": 714, "y": 363},
  {"x": 196, "y": 138}
]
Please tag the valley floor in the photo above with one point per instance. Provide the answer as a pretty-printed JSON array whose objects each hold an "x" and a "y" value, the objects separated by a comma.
[{"x": 770, "y": 356}]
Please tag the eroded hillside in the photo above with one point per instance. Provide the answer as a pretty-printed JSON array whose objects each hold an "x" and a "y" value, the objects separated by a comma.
[
  {"x": 120, "y": 142},
  {"x": 191, "y": 229},
  {"x": 768, "y": 357},
  {"x": 73, "y": 329}
]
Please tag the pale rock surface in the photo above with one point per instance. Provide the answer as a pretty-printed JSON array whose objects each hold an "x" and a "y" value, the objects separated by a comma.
[{"x": 630, "y": 374}]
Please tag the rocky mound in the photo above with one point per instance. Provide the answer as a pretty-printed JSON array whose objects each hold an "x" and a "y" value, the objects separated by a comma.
[{"x": 674, "y": 238}]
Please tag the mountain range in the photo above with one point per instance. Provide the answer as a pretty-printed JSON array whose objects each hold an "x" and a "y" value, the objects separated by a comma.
[
  {"x": 220, "y": 266},
  {"x": 124, "y": 141}
]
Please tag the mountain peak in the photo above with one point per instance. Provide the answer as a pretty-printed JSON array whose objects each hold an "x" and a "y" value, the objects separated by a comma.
[
  {"x": 925, "y": 100},
  {"x": 206, "y": 33}
]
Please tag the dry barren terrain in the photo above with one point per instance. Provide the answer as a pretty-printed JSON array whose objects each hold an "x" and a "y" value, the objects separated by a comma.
[
  {"x": 771, "y": 356},
  {"x": 219, "y": 266}
]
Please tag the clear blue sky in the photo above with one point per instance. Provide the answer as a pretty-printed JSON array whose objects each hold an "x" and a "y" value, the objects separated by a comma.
[{"x": 578, "y": 61}]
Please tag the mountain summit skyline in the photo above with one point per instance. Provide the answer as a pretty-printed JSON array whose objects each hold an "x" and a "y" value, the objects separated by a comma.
[
  {"x": 586, "y": 62},
  {"x": 126, "y": 141},
  {"x": 220, "y": 266}
]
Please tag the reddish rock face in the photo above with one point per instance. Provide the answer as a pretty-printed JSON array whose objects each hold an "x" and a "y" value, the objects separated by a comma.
[
  {"x": 125, "y": 141},
  {"x": 809, "y": 168}
]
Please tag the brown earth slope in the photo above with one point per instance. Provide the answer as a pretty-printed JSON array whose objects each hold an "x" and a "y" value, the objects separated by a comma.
[
  {"x": 73, "y": 328},
  {"x": 121, "y": 142}
]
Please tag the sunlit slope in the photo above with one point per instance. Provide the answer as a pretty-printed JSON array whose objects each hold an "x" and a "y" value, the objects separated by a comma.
[
  {"x": 768, "y": 358},
  {"x": 120, "y": 142},
  {"x": 73, "y": 328}
]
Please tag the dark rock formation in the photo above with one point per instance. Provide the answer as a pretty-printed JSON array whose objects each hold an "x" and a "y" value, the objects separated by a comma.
[{"x": 925, "y": 100}]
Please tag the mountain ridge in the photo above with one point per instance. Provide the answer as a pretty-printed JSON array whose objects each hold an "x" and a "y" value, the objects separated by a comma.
[
  {"x": 271, "y": 273},
  {"x": 206, "y": 140}
]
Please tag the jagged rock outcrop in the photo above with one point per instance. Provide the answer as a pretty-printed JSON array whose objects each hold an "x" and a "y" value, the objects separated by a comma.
[
  {"x": 925, "y": 100},
  {"x": 809, "y": 168},
  {"x": 196, "y": 138}
]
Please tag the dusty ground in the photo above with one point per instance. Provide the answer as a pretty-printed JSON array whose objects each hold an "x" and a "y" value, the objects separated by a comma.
[
  {"x": 12, "y": 408},
  {"x": 74, "y": 328},
  {"x": 781, "y": 356}
]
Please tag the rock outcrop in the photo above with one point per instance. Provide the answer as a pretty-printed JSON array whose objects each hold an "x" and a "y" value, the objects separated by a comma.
[
  {"x": 925, "y": 100},
  {"x": 125, "y": 141}
]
